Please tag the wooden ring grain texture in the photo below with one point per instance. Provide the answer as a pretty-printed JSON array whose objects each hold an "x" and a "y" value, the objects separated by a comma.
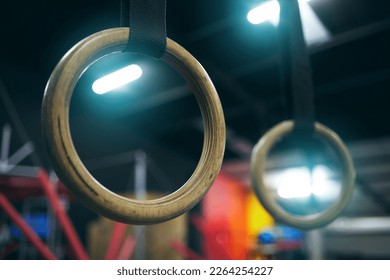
[
  {"x": 70, "y": 169},
  {"x": 258, "y": 166}
]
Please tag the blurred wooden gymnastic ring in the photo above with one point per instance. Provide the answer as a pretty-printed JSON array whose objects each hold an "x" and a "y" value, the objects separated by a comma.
[
  {"x": 69, "y": 167},
  {"x": 258, "y": 165}
]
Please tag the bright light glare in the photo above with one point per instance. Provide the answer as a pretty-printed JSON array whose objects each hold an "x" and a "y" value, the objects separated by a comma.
[
  {"x": 117, "y": 79},
  {"x": 299, "y": 183},
  {"x": 313, "y": 29},
  {"x": 294, "y": 183},
  {"x": 267, "y": 11}
]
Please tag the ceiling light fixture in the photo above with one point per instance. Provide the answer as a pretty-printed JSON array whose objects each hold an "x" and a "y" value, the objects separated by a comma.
[
  {"x": 117, "y": 79},
  {"x": 267, "y": 11},
  {"x": 299, "y": 182}
]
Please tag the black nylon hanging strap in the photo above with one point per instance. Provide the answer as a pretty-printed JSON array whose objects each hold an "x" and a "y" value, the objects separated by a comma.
[
  {"x": 147, "y": 22},
  {"x": 297, "y": 79}
]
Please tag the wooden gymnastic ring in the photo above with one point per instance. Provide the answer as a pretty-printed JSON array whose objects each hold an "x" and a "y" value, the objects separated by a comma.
[
  {"x": 258, "y": 165},
  {"x": 72, "y": 172}
]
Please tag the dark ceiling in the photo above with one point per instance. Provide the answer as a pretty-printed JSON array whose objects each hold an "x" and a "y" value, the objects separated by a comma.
[{"x": 351, "y": 74}]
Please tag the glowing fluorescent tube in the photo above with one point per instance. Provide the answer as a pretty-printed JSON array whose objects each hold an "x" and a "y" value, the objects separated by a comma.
[
  {"x": 297, "y": 182},
  {"x": 267, "y": 11},
  {"x": 117, "y": 79}
]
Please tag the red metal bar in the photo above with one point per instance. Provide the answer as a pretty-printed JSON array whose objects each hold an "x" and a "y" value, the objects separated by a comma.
[
  {"x": 127, "y": 249},
  {"x": 26, "y": 229},
  {"x": 115, "y": 241},
  {"x": 62, "y": 217},
  {"x": 20, "y": 188}
]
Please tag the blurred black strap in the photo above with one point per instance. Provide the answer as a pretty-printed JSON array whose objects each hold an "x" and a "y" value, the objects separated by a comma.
[
  {"x": 147, "y": 22},
  {"x": 297, "y": 78}
]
